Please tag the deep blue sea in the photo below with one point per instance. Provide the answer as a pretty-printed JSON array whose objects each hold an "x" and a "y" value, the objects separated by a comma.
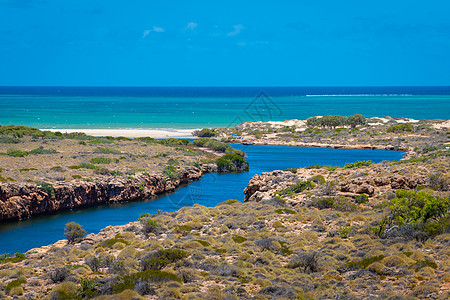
[
  {"x": 197, "y": 107},
  {"x": 212, "y": 189}
]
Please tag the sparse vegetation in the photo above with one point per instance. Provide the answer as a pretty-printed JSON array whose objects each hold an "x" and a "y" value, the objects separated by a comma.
[{"x": 74, "y": 232}]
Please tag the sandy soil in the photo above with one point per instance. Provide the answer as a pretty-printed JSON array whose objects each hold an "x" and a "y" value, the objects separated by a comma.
[{"x": 133, "y": 133}]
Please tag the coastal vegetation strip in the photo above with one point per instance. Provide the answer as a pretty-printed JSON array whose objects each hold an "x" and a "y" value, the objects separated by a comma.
[
  {"x": 47, "y": 171},
  {"x": 353, "y": 132}
]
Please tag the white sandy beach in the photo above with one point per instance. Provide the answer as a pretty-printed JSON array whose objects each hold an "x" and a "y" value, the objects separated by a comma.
[{"x": 133, "y": 133}]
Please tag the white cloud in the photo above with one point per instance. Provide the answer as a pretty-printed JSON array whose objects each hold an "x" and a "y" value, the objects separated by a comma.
[
  {"x": 237, "y": 29},
  {"x": 157, "y": 29},
  {"x": 192, "y": 25},
  {"x": 145, "y": 33}
]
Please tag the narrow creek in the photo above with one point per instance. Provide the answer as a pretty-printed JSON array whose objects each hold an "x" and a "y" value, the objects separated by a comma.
[{"x": 211, "y": 189}]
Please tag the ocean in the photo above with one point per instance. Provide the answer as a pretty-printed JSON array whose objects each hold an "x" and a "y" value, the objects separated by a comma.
[{"x": 198, "y": 107}]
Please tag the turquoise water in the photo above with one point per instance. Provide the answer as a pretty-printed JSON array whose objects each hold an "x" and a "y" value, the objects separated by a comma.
[
  {"x": 209, "y": 107},
  {"x": 212, "y": 189}
]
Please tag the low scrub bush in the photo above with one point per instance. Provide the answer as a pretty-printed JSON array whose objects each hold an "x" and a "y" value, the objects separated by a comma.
[
  {"x": 337, "y": 203},
  {"x": 170, "y": 171},
  {"x": 41, "y": 150},
  {"x": 129, "y": 282},
  {"x": 158, "y": 259},
  {"x": 175, "y": 142},
  {"x": 319, "y": 179},
  {"x": 87, "y": 166},
  {"x": 360, "y": 264},
  {"x": 100, "y": 160},
  {"x": 408, "y": 127},
  {"x": 59, "y": 274},
  {"x": 358, "y": 164},
  {"x": 205, "y": 132},
  {"x": 15, "y": 283},
  {"x": 296, "y": 188},
  {"x": 425, "y": 215},
  {"x": 308, "y": 262},
  {"x": 46, "y": 187},
  {"x": 216, "y": 145},
  {"x": 16, "y": 152},
  {"x": 150, "y": 225},
  {"x": 110, "y": 242},
  {"x": 106, "y": 151}
]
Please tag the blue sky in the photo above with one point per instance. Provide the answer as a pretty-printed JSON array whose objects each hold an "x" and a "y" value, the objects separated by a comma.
[{"x": 224, "y": 43}]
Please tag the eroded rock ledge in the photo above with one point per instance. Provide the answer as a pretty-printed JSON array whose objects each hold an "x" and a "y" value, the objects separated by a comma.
[
  {"x": 23, "y": 200},
  {"x": 263, "y": 187}
]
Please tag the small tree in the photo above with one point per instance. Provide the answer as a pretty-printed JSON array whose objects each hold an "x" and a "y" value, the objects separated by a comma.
[
  {"x": 355, "y": 120},
  {"x": 74, "y": 232}
]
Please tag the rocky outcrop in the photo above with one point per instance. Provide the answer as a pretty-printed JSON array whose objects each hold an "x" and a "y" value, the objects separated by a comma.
[
  {"x": 260, "y": 186},
  {"x": 23, "y": 200},
  {"x": 369, "y": 185}
]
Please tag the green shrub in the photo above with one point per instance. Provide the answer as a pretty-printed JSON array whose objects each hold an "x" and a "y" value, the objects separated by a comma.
[
  {"x": 401, "y": 128},
  {"x": 205, "y": 132},
  {"x": 158, "y": 259},
  {"x": 203, "y": 243},
  {"x": 239, "y": 239},
  {"x": 150, "y": 226},
  {"x": 183, "y": 229},
  {"x": 292, "y": 170},
  {"x": 87, "y": 287},
  {"x": 14, "y": 283},
  {"x": 74, "y": 232},
  {"x": 106, "y": 151},
  {"x": 27, "y": 169},
  {"x": 231, "y": 162},
  {"x": 4, "y": 258},
  {"x": 362, "y": 264},
  {"x": 41, "y": 150},
  {"x": 358, "y": 164},
  {"x": 171, "y": 172},
  {"x": 319, "y": 179},
  {"x": 285, "y": 211},
  {"x": 16, "y": 152},
  {"x": 175, "y": 142},
  {"x": 422, "y": 264},
  {"x": 362, "y": 198},
  {"x": 87, "y": 166},
  {"x": 46, "y": 187},
  {"x": 110, "y": 242},
  {"x": 296, "y": 188},
  {"x": 216, "y": 145},
  {"x": 316, "y": 166},
  {"x": 100, "y": 160},
  {"x": 125, "y": 282},
  {"x": 344, "y": 231},
  {"x": 9, "y": 140},
  {"x": 425, "y": 214}
]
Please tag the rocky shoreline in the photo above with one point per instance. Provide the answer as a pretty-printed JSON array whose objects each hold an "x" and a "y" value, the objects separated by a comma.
[{"x": 23, "y": 200}]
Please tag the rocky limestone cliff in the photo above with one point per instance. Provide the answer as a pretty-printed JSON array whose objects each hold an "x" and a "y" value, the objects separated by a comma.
[
  {"x": 23, "y": 200},
  {"x": 262, "y": 187}
]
